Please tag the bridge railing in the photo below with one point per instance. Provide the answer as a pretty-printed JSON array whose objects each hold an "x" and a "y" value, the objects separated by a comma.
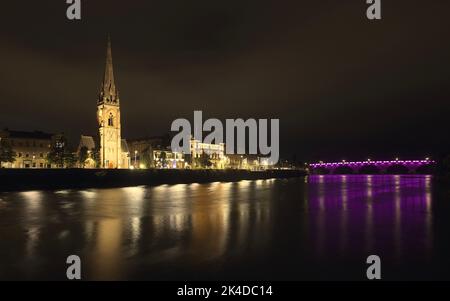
[{"x": 365, "y": 166}]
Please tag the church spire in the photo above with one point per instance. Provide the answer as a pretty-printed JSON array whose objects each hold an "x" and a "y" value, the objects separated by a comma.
[{"x": 109, "y": 93}]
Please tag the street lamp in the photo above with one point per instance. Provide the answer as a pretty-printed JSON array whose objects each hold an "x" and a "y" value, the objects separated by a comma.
[{"x": 135, "y": 156}]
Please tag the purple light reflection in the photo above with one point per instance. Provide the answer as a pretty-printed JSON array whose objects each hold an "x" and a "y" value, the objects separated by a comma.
[{"x": 371, "y": 214}]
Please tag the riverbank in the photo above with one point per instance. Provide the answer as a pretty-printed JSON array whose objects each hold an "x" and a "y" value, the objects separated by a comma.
[{"x": 47, "y": 179}]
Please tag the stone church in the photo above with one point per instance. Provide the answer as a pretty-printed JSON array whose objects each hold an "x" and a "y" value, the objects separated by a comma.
[{"x": 113, "y": 151}]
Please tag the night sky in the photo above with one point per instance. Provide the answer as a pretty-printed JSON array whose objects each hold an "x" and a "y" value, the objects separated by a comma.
[{"x": 342, "y": 86}]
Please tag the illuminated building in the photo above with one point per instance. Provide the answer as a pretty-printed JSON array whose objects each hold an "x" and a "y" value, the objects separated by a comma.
[
  {"x": 141, "y": 150},
  {"x": 88, "y": 142},
  {"x": 215, "y": 152},
  {"x": 248, "y": 162},
  {"x": 168, "y": 159},
  {"x": 31, "y": 148},
  {"x": 108, "y": 115}
]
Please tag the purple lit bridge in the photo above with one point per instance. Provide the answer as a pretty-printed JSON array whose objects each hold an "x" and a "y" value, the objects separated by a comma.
[{"x": 369, "y": 166}]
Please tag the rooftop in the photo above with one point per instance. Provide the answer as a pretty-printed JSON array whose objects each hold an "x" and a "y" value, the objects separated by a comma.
[{"x": 29, "y": 135}]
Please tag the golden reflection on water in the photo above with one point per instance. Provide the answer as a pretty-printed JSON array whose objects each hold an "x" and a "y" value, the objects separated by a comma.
[
  {"x": 185, "y": 222},
  {"x": 209, "y": 226},
  {"x": 106, "y": 250},
  {"x": 32, "y": 215}
]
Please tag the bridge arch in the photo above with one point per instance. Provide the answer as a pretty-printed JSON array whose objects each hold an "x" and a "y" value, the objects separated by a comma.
[
  {"x": 370, "y": 169},
  {"x": 398, "y": 169},
  {"x": 343, "y": 170}
]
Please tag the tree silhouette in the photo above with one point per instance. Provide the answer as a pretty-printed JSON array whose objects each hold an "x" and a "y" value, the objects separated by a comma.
[
  {"x": 6, "y": 152},
  {"x": 56, "y": 155},
  {"x": 205, "y": 160},
  {"x": 83, "y": 156},
  {"x": 145, "y": 157},
  {"x": 70, "y": 160},
  {"x": 163, "y": 158},
  {"x": 60, "y": 155}
]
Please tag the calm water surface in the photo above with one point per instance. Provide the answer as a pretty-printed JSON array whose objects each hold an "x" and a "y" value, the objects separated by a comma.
[{"x": 321, "y": 227}]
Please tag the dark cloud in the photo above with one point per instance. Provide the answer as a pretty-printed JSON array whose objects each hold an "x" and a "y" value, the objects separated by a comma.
[{"x": 342, "y": 86}]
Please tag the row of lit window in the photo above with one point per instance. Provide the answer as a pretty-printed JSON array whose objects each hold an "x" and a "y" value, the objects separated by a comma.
[
  {"x": 27, "y": 143},
  {"x": 208, "y": 146},
  {"x": 41, "y": 155},
  {"x": 41, "y": 165},
  {"x": 212, "y": 156}
]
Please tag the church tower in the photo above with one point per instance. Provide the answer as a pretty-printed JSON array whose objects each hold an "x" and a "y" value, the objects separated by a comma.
[{"x": 108, "y": 116}]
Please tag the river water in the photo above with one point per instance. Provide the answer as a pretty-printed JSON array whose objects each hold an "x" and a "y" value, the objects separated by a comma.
[{"x": 314, "y": 228}]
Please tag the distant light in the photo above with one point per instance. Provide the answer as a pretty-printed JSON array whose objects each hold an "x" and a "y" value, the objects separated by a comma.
[
  {"x": 131, "y": 167},
  {"x": 428, "y": 159},
  {"x": 368, "y": 160},
  {"x": 396, "y": 159}
]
